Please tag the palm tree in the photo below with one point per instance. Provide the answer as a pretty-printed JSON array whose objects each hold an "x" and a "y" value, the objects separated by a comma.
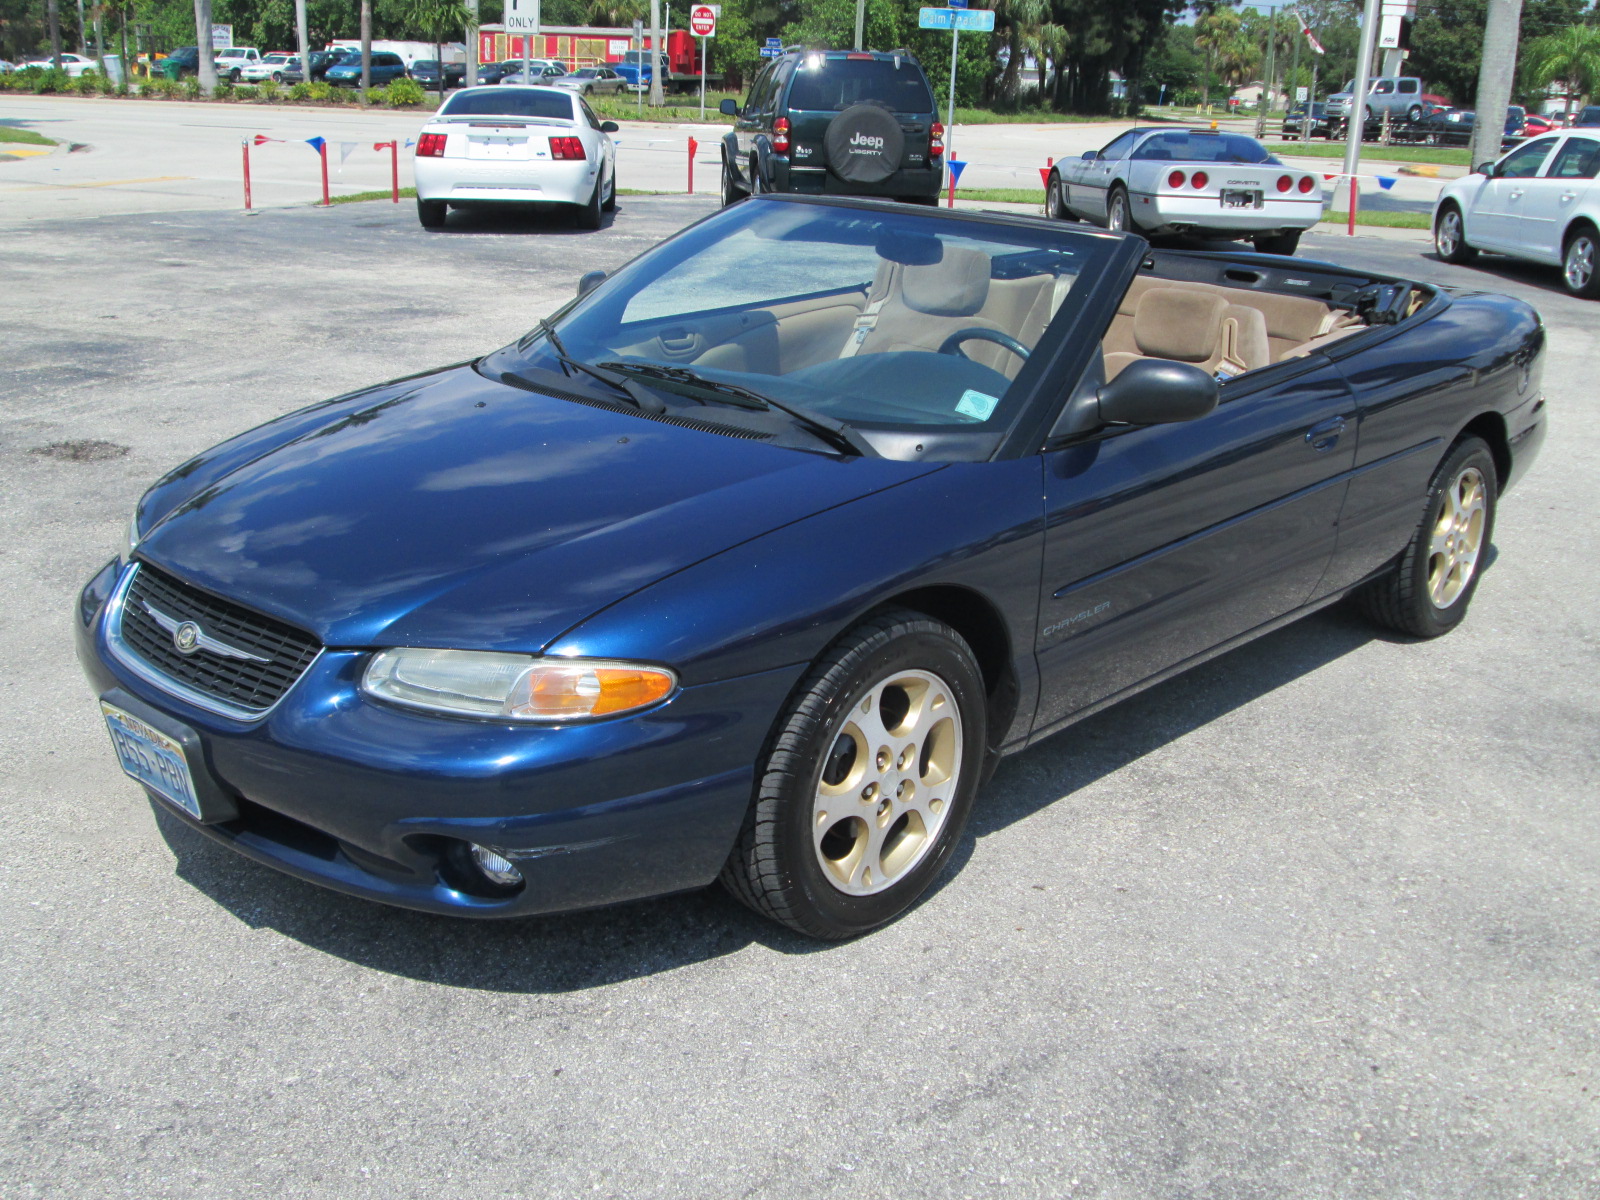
[
  {"x": 437, "y": 19},
  {"x": 1571, "y": 57},
  {"x": 1220, "y": 33},
  {"x": 1023, "y": 21}
]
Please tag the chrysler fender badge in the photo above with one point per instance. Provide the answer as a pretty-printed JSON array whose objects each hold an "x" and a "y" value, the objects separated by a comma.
[{"x": 186, "y": 637}]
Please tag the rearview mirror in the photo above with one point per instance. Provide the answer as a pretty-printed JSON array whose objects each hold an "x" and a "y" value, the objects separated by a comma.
[
  {"x": 1089, "y": 154},
  {"x": 1485, "y": 169},
  {"x": 729, "y": 108},
  {"x": 609, "y": 127},
  {"x": 588, "y": 281},
  {"x": 1157, "y": 391}
]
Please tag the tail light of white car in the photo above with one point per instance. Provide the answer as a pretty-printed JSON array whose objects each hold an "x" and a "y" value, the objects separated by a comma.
[
  {"x": 1307, "y": 182},
  {"x": 568, "y": 148},
  {"x": 1197, "y": 181},
  {"x": 431, "y": 145},
  {"x": 1285, "y": 183}
]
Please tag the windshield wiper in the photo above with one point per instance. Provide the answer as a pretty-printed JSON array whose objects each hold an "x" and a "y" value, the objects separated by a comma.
[
  {"x": 642, "y": 399},
  {"x": 837, "y": 433}
]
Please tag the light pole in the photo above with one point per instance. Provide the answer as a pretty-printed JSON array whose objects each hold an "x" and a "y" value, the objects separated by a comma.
[{"x": 1494, "y": 79}]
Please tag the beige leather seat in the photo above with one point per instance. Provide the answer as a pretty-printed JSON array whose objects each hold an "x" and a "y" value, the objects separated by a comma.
[
  {"x": 1188, "y": 325},
  {"x": 916, "y": 308}
]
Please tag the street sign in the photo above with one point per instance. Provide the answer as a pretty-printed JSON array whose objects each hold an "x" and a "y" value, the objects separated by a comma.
[
  {"x": 221, "y": 37},
  {"x": 703, "y": 19},
  {"x": 521, "y": 16},
  {"x": 974, "y": 20},
  {"x": 956, "y": 4},
  {"x": 771, "y": 52}
]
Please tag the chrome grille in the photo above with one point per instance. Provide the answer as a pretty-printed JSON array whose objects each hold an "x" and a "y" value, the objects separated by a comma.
[{"x": 279, "y": 653}]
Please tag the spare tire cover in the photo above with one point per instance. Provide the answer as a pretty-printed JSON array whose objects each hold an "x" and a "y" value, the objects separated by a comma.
[{"x": 864, "y": 144}]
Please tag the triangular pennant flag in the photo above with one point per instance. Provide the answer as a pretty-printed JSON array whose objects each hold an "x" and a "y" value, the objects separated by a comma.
[
  {"x": 1387, "y": 181},
  {"x": 383, "y": 145},
  {"x": 346, "y": 149},
  {"x": 1327, "y": 177},
  {"x": 262, "y": 139},
  {"x": 1044, "y": 176},
  {"x": 317, "y": 144},
  {"x": 956, "y": 167},
  {"x": 410, "y": 142}
]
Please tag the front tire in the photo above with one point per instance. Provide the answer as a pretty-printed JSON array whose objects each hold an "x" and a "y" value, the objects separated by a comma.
[
  {"x": 1578, "y": 263},
  {"x": 1278, "y": 243},
  {"x": 431, "y": 213},
  {"x": 867, "y": 780},
  {"x": 1426, "y": 592},
  {"x": 1450, "y": 236}
]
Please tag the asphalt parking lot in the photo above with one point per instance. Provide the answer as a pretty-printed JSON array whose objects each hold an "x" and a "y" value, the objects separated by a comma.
[{"x": 1318, "y": 919}]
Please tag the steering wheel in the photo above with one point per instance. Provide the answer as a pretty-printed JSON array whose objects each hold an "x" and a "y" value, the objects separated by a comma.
[{"x": 951, "y": 344}]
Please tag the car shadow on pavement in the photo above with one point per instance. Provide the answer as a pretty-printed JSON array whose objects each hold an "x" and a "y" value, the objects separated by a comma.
[
  {"x": 541, "y": 219},
  {"x": 1503, "y": 270},
  {"x": 573, "y": 951}
]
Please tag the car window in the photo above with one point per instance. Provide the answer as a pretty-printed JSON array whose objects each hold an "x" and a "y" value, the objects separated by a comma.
[
  {"x": 1119, "y": 147},
  {"x": 1578, "y": 159},
  {"x": 588, "y": 114},
  {"x": 759, "y": 91},
  {"x": 1382, "y": 88},
  {"x": 1183, "y": 145},
  {"x": 1411, "y": 86},
  {"x": 1524, "y": 162},
  {"x": 834, "y": 84},
  {"x": 508, "y": 102}
]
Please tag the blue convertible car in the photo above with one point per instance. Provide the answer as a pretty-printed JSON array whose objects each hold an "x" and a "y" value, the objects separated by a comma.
[{"x": 753, "y": 559}]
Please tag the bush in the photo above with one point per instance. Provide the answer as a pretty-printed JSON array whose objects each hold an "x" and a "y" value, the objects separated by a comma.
[
  {"x": 402, "y": 93},
  {"x": 320, "y": 91},
  {"x": 300, "y": 91},
  {"x": 47, "y": 80},
  {"x": 87, "y": 83},
  {"x": 159, "y": 87},
  {"x": 225, "y": 90},
  {"x": 268, "y": 90},
  {"x": 190, "y": 88},
  {"x": 107, "y": 87}
]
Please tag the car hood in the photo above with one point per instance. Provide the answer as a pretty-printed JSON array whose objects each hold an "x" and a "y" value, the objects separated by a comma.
[{"x": 451, "y": 510}]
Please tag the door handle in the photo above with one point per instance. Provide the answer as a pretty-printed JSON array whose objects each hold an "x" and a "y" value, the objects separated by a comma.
[
  {"x": 1568, "y": 197},
  {"x": 1325, "y": 435},
  {"x": 1516, "y": 194}
]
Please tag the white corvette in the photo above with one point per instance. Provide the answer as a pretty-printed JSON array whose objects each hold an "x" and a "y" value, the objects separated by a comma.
[
  {"x": 498, "y": 145},
  {"x": 1539, "y": 202},
  {"x": 1196, "y": 182}
]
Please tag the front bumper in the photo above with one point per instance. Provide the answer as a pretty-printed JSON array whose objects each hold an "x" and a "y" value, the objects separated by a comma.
[
  {"x": 374, "y": 801},
  {"x": 482, "y": 181}
]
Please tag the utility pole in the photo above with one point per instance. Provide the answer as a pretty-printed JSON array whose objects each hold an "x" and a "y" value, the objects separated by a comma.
[
  {"x": 1494, "y": 79},
  {"x": 206, "y": 53},
  {"x": 657, "y": 96},
  {"x": 83, "y": 38},
  {"x": 1357, "y": 123},
  {"x": 303, "y": 32},
  {"x": 366, "y": 47},
  {"x": 861, "y": 20},
  {"x": 472, "y": 44},
  {"x": 1272, "y": 60},
  {"x": 53, "y": 11}
]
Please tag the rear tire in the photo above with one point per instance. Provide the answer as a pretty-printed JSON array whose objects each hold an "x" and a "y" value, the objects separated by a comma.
[
  {"x": 866, "y": 781},
  {"x": 1427, "y": 591},
  {"x": 1579, "y": 260},
  {"x": 1118, "y": 217},
  {"x": 431, "y": 213},
  {"x": 1279, "y": 243},
  {"x": 731, "y": 192},
  {"x": 1450, "y": 236},
  {"x": 610, "y": 202},
  {"x": 589, "y": 214}
]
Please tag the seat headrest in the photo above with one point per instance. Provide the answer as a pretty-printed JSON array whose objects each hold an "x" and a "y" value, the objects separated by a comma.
[
  {"x": 955, "y": 286},
  {"x": 1178, "y": 323}
]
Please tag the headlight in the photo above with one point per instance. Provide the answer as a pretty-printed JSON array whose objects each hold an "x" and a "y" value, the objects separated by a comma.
[{"x": 513, "y": 687}]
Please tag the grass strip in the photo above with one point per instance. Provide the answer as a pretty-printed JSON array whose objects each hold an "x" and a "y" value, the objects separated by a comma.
[
  {"x": 409, "y": 193},
  {"x": 1387, "y": 220},
  {"x": 1442, "y": 155},
  {"x": 24, "y": 137}
]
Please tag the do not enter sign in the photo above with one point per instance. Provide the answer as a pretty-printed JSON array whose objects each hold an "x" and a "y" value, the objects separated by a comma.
[{"x": 703, "y": 20}]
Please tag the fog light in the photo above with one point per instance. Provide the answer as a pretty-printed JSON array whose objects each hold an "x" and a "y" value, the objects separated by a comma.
[{"x": 496, "y": 868}]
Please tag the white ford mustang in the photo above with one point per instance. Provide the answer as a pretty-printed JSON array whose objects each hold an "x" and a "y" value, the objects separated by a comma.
[
  {"x": 1196, "y": 182},
  {"x": 499, "y": 145}
]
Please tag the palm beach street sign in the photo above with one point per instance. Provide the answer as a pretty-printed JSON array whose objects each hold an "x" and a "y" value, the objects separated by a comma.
[{"x": 970, "y": 20}]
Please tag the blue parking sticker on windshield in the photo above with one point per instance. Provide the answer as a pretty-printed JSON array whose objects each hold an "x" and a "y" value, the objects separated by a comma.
[{"x": 977, "y": 405}]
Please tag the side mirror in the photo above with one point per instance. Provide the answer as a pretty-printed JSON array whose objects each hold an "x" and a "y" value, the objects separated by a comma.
[
  {"x": 1485, "y": 169},
  {"x": 1087, "y": 155},
  {"x": 609, "y": 127},
  {"x": 728, "y": 107},
  {"x": 1157, "y": 391},
  {"x": 588, "y": 281}
]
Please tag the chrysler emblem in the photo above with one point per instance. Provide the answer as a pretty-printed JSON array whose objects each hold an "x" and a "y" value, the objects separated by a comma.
[
  {"x": 186, "y": 637},
  {"x": 189, "y": 637}
]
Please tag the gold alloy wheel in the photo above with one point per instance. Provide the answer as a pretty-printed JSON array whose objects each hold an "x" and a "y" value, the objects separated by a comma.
[
  {"x": 888, "y": 783},
  {"x": 1457, "y": 538}
]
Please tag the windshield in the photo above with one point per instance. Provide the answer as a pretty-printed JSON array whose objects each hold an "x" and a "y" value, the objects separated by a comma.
[
  {"x": 875, "y": 318},
  {"x": 827, "y": 84},
  {"x": 509, "y": 102},
  {"x": 1183, "y": 145}
]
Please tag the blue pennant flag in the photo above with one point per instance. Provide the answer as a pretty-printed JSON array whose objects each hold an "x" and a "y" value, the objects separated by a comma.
[
  {"x": 956, "y": 167},
  {"x": 316, "y": 143},
  {"x": 1387, "y": 181},
  {"x": 410, "y": 142}
]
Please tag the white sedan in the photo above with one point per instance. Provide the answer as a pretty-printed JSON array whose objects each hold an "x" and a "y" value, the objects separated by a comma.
[
  {"x": 73, "y": 64},
  {"x": 498, "y": 145},
  {"x": 1191, "y": 182},
  {"x": 271, "y": 67},
  {"x": 1538, "y": 202}
]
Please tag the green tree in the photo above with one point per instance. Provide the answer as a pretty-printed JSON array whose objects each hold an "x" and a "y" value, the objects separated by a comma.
[
  {"x": 438, "y": 20},
  {"x": 1447, "y": 40},
  {"x": 1570, "y": 57}
]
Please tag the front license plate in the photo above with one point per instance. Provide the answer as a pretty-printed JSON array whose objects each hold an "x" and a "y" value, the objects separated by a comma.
[
  {"x": 1241, "y": 199},
  {"x": 152, "y": 758}
]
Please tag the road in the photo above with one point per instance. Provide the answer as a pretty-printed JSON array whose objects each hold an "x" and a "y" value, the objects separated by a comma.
[
  {"x": 1317, "y": 919},
  {"x": 171, "y": 156}
]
